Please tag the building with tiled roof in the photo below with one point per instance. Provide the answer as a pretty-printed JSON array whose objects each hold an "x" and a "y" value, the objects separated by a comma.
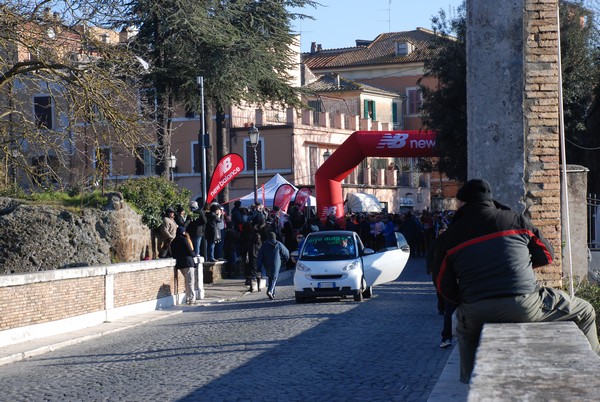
[
  {"x": 377, "y": 79},
  {"x": 393, "y": 62},
  {"x": 387, "y": 48}
]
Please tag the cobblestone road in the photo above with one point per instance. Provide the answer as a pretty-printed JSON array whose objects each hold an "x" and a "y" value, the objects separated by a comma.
[{"x": 253, "y": 349}]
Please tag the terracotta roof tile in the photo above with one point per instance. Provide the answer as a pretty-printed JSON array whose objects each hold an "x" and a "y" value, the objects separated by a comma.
[
  {"x": 329, "y": 83},
  {"x": 381, "y": 51}
]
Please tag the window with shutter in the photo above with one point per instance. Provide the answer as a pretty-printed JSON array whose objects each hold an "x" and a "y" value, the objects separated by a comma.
[
  {"x": 369, "y": 110},
  {"x": 413, "y": 101}
]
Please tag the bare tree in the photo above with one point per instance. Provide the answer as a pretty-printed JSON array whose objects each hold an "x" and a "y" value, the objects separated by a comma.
[{"x": 68, "y": 88}]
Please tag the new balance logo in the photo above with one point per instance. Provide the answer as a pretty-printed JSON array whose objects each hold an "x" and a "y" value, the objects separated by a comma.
[
  {"x": 392, "y": 141},
  {"x": 399, "y": 141}
]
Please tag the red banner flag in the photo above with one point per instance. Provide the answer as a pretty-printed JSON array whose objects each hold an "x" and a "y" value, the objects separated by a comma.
[
  {"x": 302, "y": 196},
  {"x": 228, "y": 167},
  {"x": 283, "y": 196}
]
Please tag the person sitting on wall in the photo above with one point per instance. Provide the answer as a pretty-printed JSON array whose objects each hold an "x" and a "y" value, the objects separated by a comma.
[{"x": 485, "y": 262}]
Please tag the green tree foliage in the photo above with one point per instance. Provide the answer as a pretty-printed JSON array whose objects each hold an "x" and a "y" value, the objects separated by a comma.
[
  {"x": 240, "y": 47},
  {"x": 580, "y": 74},
  {"x": 445, "y": 107},
  {"x": 152, "y": 196}
]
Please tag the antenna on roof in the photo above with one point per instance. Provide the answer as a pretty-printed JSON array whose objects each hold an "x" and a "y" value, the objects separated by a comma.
[
  {"x": 389, "y": 15},
  {"x": 389, "y": 12}
]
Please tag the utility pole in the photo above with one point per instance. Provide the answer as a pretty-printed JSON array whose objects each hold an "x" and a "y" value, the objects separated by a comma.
[{"x": 202, "y": 139}]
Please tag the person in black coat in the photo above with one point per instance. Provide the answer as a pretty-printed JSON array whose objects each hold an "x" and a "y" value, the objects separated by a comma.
[
  {"x": 250, "y": 242},
  {"x": 196, "y": 228},
  {"x": 485, "y": 262},
  {"x": 183, "y": 252},
  {"x": 212, "y": 232},
  {"x": 272, "y": 255}
]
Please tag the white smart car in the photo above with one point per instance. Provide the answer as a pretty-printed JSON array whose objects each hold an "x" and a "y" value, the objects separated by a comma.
[{"x": 336, "y": 264}]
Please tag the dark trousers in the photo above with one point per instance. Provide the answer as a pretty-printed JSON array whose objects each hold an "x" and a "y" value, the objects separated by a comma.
[{"x": 448, "y": 311}]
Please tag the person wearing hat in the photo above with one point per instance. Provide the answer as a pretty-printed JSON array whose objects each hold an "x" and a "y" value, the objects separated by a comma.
[
  {"x": 236, "y": 216},
  {"x": 180, "y": 218},
  {"x": 272, "y": 255},
  {"x": 183, "y": 252},
  {"x": 167, "y": 230},
  {"x": 485, "y": 262}
]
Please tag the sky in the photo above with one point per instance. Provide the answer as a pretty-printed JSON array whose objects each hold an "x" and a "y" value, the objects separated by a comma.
[{"x": 338, "y": 23}]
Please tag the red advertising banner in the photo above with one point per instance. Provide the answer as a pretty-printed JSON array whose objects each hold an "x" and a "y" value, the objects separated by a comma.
[
  {"x": 283, "y": 196},
  {"x": 228, "y": 167},
  {"x": 302, "y": 196}
]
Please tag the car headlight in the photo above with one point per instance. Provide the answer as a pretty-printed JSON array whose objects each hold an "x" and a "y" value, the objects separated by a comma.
[
  {"x": 351, "y": 266},
  {"x": 301, "y": 267}
]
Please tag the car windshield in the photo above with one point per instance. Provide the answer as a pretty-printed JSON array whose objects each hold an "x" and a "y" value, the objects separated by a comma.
[{"x": 329, "y": 247}]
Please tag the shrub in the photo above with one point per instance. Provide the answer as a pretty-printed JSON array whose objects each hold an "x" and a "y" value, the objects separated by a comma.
[
  {"x": 590, "y": 292},
  {"x": 150, "y": 196}
]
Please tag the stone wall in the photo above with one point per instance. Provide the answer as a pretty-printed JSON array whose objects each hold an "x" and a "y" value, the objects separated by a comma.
[
  {"x": 512, "y": 108},
  {"x": 40, "y": 237},
  {"x": 40, "y": 304}
]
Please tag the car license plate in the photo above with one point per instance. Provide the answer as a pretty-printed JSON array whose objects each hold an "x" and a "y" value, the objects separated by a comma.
[{"x": 326, "y": 284}]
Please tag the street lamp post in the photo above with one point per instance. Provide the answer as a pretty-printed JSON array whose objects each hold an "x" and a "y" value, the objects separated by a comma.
[
  {"x": 254, "y": 135},
  {"x": 326, "y": 155}
]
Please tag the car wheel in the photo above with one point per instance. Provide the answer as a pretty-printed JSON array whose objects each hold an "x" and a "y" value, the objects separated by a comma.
[
  {"x": 368, "y": 292},
  {"x": 358, "y": 296}
]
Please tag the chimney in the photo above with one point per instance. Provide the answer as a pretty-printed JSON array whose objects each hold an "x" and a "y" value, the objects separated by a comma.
[
  {"x": 319, "y": 47},
  {"x": 337, "y": 81},
  {"x": 313, "y": 47}
]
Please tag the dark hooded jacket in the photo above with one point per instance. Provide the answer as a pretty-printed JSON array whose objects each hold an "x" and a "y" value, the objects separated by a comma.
[
  {"x": 489, "y": 251},
  {"x": 272, "y": 255}
]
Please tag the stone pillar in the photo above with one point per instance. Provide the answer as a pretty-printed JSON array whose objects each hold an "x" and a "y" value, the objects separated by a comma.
[
  {"x": 512, "y": 110},
  {"x": 578, "y": 215},
  {"x": 307, "y": 117},
  {"x": 339, "y": 121},
  {"x": 290, "y": 116}
]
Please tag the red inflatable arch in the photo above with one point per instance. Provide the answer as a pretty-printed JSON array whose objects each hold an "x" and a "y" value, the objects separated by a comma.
[{"x": 328, "y": 178}]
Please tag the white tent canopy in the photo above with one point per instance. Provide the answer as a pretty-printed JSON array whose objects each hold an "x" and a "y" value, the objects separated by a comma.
[
  {"x": 362, "y": 202},
  {"x": 270, "y": 188}
]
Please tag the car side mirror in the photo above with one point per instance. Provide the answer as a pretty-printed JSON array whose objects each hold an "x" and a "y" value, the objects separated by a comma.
[{"x": 368, "y": 251}]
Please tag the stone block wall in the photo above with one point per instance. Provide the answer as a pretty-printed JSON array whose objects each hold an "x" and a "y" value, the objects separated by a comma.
[{"x": 51, "y": 302}]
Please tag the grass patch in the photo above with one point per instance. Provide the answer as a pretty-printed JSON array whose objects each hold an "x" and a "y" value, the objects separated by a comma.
[{"x": 66, "y": 200}]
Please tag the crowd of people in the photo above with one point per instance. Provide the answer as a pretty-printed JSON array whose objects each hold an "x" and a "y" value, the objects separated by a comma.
[
  {"x": 237, "y": 237},
  {"x": 480, "y": 257}
]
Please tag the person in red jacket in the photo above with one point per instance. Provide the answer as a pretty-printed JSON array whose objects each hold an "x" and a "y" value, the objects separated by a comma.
[{"x": 485, "y": 262}]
